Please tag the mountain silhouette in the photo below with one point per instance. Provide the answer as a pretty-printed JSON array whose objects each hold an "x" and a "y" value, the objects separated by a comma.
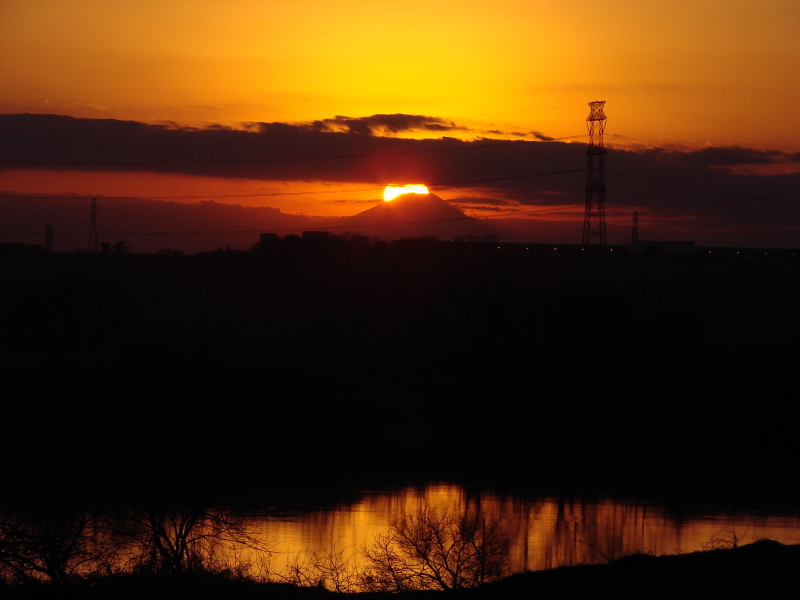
[
  {"x": 406, "y": 208},
  {"x": 150, "y": 225},
  {"x": 416, "y": 215}
]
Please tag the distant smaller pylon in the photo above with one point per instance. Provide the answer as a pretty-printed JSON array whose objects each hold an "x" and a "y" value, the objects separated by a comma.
[
  {"x": 635, "y": 230},
  {"x": 93, "y": 247}
]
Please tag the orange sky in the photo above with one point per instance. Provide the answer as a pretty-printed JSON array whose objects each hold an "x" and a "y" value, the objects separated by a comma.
[{"x": 687, "y": 73}]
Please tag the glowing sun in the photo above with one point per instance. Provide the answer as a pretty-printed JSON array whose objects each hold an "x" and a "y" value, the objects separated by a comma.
[{"x": 392, "y": 190}]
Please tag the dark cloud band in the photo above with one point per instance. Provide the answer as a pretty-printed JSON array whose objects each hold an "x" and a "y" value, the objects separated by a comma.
[{"x": 343, "y": 149}]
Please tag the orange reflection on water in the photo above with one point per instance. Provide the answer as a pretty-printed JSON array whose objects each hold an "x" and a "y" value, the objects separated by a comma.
[{"x": 547, "y": 531}]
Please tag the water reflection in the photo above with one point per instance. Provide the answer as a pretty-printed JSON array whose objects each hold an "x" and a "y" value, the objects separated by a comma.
[{"x": 547, "y": 532}]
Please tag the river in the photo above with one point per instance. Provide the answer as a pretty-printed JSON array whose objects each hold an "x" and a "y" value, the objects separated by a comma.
[{"x": 547, "y": 531}]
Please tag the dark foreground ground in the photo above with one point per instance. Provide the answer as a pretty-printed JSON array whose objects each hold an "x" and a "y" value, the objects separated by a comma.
[
  {"x": 763, "y": 569},
  {"x": 312, "y": 367}
]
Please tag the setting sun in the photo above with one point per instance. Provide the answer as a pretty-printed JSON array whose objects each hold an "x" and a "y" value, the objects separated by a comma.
[{"x": 392, "y": 190}]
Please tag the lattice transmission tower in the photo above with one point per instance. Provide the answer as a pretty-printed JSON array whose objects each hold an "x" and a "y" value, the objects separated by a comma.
[
  {"x": 93, "y": 228},
  {"x": 594, "y": 220}
]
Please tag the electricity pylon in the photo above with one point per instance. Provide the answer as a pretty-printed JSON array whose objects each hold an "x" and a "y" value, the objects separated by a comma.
[
  {"x": 594, "y": 220},
  {"x": 93, "y": 228}
]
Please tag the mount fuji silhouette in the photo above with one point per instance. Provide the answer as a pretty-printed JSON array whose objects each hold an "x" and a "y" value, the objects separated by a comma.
[{"x": 417, "y": 215}]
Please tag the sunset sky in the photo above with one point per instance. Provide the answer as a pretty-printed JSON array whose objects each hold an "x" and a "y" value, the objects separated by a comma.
[{"x": 700, "y": 95}]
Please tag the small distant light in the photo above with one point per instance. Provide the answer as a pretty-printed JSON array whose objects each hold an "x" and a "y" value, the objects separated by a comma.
[
  {"x": 498, "y": 247},
  {"x": 611, "y": 250},
  {"x": 766, "y": 253},
  {"x": 709, "y": 251},
  {"x": 737, "y": 252}
]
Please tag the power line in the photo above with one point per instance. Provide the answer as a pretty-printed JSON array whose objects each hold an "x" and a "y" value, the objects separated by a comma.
[
  {"x": 704, "y": 119},
  {"x": 524, "y": 110},
  {"x": 345, "y": 226},
  {"x": 697, "y": 184},
  {"x": 220, "y": 161},
  {"x": 445, "y": 184},
  {"x": 252, "y": 231},
  {"x": 509, "y": 178},
  {"x": 376, "y": 189}
]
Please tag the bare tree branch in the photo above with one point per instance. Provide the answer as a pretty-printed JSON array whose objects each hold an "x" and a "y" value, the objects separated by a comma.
[{"x": 432, "y": 549}]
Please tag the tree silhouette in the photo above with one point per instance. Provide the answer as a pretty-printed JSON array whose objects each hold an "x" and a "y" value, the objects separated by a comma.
[
  {"x": 55, "y": 547},
  {"x": 333, "y": 569},
  {"x": 186, "y": 540},
  {"x": 433, "y": 549}
]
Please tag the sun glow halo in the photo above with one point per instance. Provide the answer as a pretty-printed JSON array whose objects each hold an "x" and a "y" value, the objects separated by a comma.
[{"x": 392, "y": 191}]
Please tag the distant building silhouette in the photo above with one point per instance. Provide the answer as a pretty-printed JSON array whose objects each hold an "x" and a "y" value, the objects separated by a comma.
[
  {"x": 678, "y": 247},
  {"x": 268, "y": 238}
]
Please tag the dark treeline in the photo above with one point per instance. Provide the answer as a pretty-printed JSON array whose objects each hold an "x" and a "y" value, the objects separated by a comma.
[{"x": 314, "y": 367}]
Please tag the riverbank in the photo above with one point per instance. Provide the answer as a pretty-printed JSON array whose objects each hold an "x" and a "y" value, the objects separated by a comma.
[{"x": 763, "y": 569}]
